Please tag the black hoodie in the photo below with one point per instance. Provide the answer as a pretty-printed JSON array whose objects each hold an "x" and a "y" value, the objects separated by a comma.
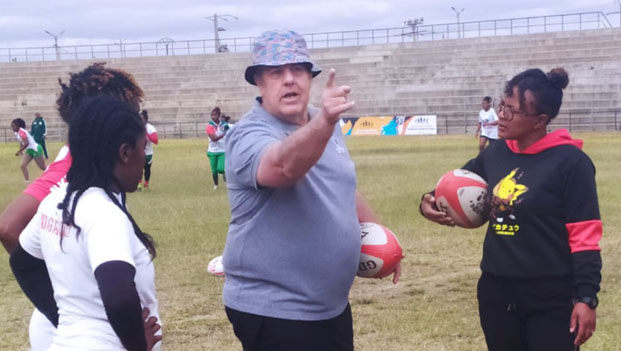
[{"x": 544, "y": 214}]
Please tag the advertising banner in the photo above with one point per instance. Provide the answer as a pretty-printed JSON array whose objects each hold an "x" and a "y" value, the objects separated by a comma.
[
  {"x": 389, "y": 125},
  {"x": 422, "y": 125}
]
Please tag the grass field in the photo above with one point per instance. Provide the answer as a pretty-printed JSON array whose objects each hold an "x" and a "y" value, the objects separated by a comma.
[{"x": 432, "y": 308}]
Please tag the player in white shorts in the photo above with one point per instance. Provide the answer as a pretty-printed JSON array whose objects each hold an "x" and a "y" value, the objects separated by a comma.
[
  {"x": 27, "y": 147},
  {"x": 487, "y": 130},
  {"x": 82, "y": 260}
]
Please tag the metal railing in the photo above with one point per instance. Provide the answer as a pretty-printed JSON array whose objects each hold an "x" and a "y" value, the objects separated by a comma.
[
  {"x": 584, "y": 120},
  {"x": 474, "y": 29},
  {"x": 457, "y": 123}
]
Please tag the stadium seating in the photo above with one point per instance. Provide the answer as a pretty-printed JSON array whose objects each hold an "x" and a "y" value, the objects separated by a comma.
[{"x": 447, "y": 78}]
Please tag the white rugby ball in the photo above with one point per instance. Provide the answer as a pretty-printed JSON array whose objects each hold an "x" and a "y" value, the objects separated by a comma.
[
  {"x": 462, "y": 195},
  {"x": 215, "y": 266},
  {"x": 380, "y": 251}
]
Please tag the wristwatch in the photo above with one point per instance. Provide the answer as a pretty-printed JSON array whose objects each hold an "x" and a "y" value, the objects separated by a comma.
[{"x": 590, "y": 301}]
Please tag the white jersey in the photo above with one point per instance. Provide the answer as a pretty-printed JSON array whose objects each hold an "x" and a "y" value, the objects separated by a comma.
[
  {"x": 489, "y": 116},
  {"x": 106, "y": 235},
  {"x": 219, "y": 145},
  {"x": 23, "y": 136},
  {"x": 148, "y": 149}
]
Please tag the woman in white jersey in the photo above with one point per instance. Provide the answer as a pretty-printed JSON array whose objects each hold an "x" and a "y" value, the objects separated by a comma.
[
  {"x": 148, "y": 150},
  {"x": 216, "y": 131},
  {"x": 488, "y": 124},
  {"x": 94, "y": 80},
  {"x": 27, "y": 147},
  {"x": 82, "y": 260}
]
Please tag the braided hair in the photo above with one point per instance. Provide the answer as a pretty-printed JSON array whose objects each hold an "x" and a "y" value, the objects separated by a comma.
[
  {"x": 99, "y": 127},
  {"x": 547, "y": 89},
  {"x": 96, "y": 80}
]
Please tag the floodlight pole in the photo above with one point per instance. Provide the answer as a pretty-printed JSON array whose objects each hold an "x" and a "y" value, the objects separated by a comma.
[
  {"x": 458, "y": 23},
  {"x": 619, "y": 2},
  {"x": 121, "y": 47},
  {"x": 55, "y": 36},
  {"x": 217, "y": 29}
]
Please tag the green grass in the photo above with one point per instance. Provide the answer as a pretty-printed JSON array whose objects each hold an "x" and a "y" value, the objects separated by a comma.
[{"x": 432, "y": 308}]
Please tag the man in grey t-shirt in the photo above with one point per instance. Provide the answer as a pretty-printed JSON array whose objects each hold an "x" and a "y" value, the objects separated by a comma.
[{"x": 293, "y": 246}]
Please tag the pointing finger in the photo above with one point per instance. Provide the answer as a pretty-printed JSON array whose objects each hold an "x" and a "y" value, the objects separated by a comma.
[{"x": 330, "y": 82}]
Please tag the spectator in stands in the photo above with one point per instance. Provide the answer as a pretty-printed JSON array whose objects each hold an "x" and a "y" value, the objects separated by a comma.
[
  {"x": 82, "y": 260},
  {"x": 148, "y": 150},
  {"x": 541, "y": 257},
  {"x": 28, "y": 148},
  {"x": 95, "y": 80},
  {"x": 216, "y": 131},
  {"x": 295, "y": 210},
  {"x": 487, "y": 130},
  {"x": 38, "y": 130}
]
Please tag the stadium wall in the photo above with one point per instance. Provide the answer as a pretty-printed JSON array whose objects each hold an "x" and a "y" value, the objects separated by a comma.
[{"x": 445, "y": 78}]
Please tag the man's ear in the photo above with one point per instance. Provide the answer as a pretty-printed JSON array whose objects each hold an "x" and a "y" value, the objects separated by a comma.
[{"x": 124, "y": 152}]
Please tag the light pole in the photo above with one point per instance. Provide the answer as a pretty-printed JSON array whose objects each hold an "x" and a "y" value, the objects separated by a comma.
[
  {"x": 121, "y": 46},
  {"x": 217, "y": 29},
  {"x": 458, "y": 23},
  {"x": 619, "y": 3},
  {"x": 167, "y": 41},
  {"x": 414, "y": 25},
  {"x": 55, "y": 36}
]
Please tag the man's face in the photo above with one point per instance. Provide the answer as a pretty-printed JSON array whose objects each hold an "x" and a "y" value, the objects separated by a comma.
[{"x": 285, "y": 91}]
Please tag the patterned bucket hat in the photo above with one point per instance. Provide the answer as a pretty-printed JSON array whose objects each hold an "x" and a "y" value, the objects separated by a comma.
[{"x": 277, "y": 48}]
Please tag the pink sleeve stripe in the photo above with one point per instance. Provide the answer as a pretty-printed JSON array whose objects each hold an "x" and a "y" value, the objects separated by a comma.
[
  {"x": 153, "y": 137},
  {"x": 210, "y": 129},
  {"x": 584, "y": 236},
  {"x": 22, "y": 134}
]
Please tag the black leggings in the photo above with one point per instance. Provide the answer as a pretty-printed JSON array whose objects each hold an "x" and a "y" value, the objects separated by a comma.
[
  {"x": 147, "y": 171},
  {"x": 526, "y": 314}
]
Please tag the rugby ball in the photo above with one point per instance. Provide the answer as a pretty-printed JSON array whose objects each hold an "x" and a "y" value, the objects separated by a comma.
[
  {"x": 215, "y": 266},
  {"x": 380, "y": 251},
  {"x": 462, "y": 195}
]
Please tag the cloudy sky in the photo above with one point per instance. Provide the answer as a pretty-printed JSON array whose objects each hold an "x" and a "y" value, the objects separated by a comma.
[{"x": 23, "y": 22}]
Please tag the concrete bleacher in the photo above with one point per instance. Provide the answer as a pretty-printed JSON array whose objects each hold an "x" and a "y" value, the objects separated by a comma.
[{"x": 447, "y": 78}]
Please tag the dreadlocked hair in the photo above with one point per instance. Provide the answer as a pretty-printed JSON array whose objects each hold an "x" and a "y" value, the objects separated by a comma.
[
  {"x": 100, "y": 126},
  {"x": 96, "y": 80}
]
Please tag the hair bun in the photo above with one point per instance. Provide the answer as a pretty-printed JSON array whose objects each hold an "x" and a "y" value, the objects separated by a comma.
[{"x": 559, "y": 78}]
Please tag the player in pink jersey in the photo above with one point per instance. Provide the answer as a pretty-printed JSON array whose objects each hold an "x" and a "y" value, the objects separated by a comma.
[
  {"x": 28, "y": 148},
  {"x": 95, "y": 80}
]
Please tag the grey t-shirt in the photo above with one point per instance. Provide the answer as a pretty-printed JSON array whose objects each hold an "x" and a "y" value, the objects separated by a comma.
[{"x": 292, "y": 252}]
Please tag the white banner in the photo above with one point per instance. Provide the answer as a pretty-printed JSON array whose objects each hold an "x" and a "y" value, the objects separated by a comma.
[{"x": 422, "y": 125}]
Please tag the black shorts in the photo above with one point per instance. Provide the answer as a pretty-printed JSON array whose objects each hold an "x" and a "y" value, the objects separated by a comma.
[
  {"x": 259, "y": 333},
  {"x": 526, "y": 314}
]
